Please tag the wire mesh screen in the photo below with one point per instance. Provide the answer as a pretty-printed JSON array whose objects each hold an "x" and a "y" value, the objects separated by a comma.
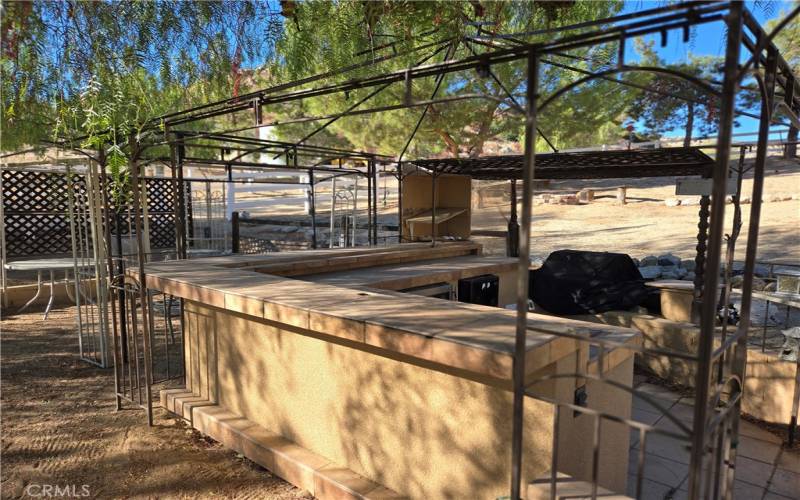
[{"x": 209, "y": 228}]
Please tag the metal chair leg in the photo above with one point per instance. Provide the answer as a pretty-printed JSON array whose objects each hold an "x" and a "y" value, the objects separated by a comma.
[
  {"x": 38, "y": 292},
  {"x": 70, "y": 293},
  {"x": 52, "y": 295}
]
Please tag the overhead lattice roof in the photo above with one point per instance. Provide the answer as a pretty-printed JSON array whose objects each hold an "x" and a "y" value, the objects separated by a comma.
[{"x": 661, "y": 162}]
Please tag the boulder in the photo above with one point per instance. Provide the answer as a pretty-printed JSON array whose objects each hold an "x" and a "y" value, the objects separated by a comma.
[
  {"x": 689, "y": 276},
  {"x": 791, "y": 344},
  {"x": 669, "y": 275},
  {"x": 688, "y": 264},
  {"x": 736, "y": 281},
  {"x": 568, "y": 199},
  {"x": 650, "y": 260},
  {"x": 690, "y": 201},
  {"x": 672, "y": 202},
  {"x": 774, "y": 198},
  {"x": 760, "y": 270},
  {"x": 771, "y": 287},
  {"x": 669, "y": 260},
  {"x": 650, "y": 272}
]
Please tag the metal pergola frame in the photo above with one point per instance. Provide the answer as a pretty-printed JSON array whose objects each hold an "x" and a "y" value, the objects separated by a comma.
[{"x": 718, "y": 392}]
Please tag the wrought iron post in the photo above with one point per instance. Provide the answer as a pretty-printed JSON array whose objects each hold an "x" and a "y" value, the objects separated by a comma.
[
  {"x": 708, "y": 306},
  {"x": 433, "y": 208},
  {"x": 399, "y": 202},
  {"x": 739, "y": 364},
  {"x": 312, "y": 208},
  {"x": 235, "y": 232},
  {"x": 141, "y": 261},
  {"x": 512, "y": 240},
  {"x": 700, "y": 256},
  {"x": 370, "y": 202},
  {"x": 333, "y": 213},
  {"x": 180, "y": 201},
  {"x": 523, "y": 266},
  {"x": 374, "y": 201}
]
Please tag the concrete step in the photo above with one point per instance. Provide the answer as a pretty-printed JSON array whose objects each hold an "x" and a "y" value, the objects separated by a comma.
[
  {"x": 570, "y": 488},
  {"x": 293, "y": 463}
]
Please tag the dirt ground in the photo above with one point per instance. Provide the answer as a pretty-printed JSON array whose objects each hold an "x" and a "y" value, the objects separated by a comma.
[
  {"x": 645, "y": 225},
  {"x": 59, "y": 428}
]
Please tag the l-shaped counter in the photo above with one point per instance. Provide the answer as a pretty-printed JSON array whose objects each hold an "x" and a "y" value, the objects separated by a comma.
[{"x": 317, "y": 366}]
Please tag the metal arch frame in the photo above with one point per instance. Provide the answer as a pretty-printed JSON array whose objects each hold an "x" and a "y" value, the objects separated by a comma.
[{"x": 697, "y": 82}]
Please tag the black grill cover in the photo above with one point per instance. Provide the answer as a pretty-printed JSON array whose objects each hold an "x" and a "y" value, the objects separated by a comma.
[{"x": 579, "y": 282}]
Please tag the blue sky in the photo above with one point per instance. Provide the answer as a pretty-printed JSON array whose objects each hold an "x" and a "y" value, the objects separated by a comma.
[{"x": 709, "y": 39}]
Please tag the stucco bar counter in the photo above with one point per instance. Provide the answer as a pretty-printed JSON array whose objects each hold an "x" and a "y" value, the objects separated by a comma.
[{"x": 315, "y": 365}]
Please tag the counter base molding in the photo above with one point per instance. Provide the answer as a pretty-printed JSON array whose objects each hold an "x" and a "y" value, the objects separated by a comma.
[{"x": 293, "y": 463}]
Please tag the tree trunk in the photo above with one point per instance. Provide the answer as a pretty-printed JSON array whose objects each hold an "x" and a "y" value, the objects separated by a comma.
[
  {"x": 791, "y": 149},
  {"x": 452, "y": 146},
  {"x": 687, "y": 139},
  {"x": 484, "y": 132}
]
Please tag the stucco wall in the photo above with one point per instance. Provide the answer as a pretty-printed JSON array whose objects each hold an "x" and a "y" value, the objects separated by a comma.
[{"x": 417, "y": 428}]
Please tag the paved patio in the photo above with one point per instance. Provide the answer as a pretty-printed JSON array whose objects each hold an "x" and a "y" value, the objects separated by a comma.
[{"x": 764, "y": 469}]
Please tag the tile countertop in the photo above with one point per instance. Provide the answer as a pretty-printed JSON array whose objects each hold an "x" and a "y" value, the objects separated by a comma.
[{"x": 348, "y": 293}]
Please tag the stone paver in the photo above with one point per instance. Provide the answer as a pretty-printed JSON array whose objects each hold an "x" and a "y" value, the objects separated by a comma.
[
  {"x": 789, "y": 461},
  {"x": 758, "y": 449},
  {"x": 753, "y": 472},
  {"x": 764, "y": 471},
  {"x": 785, "y": 483},
  {"x": 774, "y": 496},
  {"x": 746, "y": 491}
]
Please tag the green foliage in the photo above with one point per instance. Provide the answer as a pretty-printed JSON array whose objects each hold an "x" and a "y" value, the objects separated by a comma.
[
  {"x": 788, "y": 39},
  {"x": 662, "y": 113},
  {"x": 80, "y": 69},
  {"x": 325, "y": 35}
]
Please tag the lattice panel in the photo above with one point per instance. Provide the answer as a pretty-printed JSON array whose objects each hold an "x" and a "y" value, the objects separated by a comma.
[
  {"x": 160, "y": 196},
  {"x": 36, "y": 210},
  {"x": 39, "y": 192},
  {"x": 162, "y": 230},
  {"x": 37, "y": 234}
]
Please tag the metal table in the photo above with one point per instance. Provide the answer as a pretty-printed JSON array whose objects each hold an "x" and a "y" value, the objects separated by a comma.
[{"x": 51, "y": 266}]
